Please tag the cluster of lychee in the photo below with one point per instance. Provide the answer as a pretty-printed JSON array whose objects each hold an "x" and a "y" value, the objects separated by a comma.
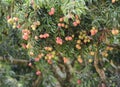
[
  {"x": 38, "y": 57},
  {"x": 43, "y": 36},
  {"x": 35, "y": 25},
  {"x": 83, "y": 38},
  {"x": 14, "y": 22},
  {"x": 79, "y": 58},
  {"x": 113, "y": 1},
  {"x": 59, "y": 41},
  {"x": 115, "y": 31},
  {"x": 52, "y": 11},
  {"x": 48, "y": 48},
  {"x": 77, "y": 21},
  {"x": 38, "y": 72},
  {"x": 91, "y": 53},
  {"x": 105, "y": 52},
  {"x": 65, "y": 60},
  {"x": 31, "y": 53},
  {"x": 61, "y": 23},
  {"x": 93, "y": 31},
  {"x": 49, "y": 56},
  {"x": 68, "y": 38},
  {"x": 25, "y": 34}
]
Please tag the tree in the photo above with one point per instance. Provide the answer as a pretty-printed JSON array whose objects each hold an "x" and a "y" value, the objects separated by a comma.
[{"x": 63, "y": 43}]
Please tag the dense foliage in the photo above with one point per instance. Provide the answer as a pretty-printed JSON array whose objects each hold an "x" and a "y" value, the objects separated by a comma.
[{"x": 59, "y": 43}]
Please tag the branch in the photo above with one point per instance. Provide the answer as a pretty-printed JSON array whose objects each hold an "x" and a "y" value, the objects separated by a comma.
[
  {"x": 68, "y": 70},
  {"x": 15, "y": 61},
  {"x": 100, "y": 71}
]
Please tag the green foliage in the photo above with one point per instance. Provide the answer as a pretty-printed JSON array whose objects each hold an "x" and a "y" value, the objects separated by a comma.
[
  {"x": 61, "y": 37},
  {"x": 10, "y": 76}
]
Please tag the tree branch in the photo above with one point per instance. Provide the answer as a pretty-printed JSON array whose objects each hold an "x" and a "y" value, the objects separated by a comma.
[
  {"x": 100, "y": 71},
  {"x": 58, "y": 74},
  {"x": 15, "y": 61}
]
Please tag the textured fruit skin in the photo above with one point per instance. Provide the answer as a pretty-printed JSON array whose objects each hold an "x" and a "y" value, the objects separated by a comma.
[
  {"x": 25, "y": 37},
  {"x": 38, "y": 72},
  {"x": 30, "y": 64},
  {"x": 48, "y": 48},
  {"x": 44, "y": 36},
  {"x": 59, "y": 24},
  {"x": 78, "y": 21},
  {"x": 80, "y": 60},
  {"x": 61, "y": 19},
  {"x": 78, "y": 46},
  {"x": 36, "y": 37},
  {"x": 93, "y": 32},
  {"x": 36, "y": 59},
  {"x": 90, "y": 60},
  {"x": 63, "y": 25},
  {"x": 52, "y": 11},
  {"x": 92, "y": 53},
  {"x": 68, "y": 38},
  {"x": 113, "y": 1},
  {"x": 18, "y": 26},
  {"x": 75, "y": 24},
  {"x": 49, "y": 61},
  {"x": 66, "y": 26},
  {"x": 65, "y": 60},
  {"x": 115, "y": 31},
  {"x": 15, "y": 19},
  {"x": 78, "y": 81},
  {"x": 59, "y": 41},
  {"x": 31, "y": 54},
  {"x": 10, "y": 21}
]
